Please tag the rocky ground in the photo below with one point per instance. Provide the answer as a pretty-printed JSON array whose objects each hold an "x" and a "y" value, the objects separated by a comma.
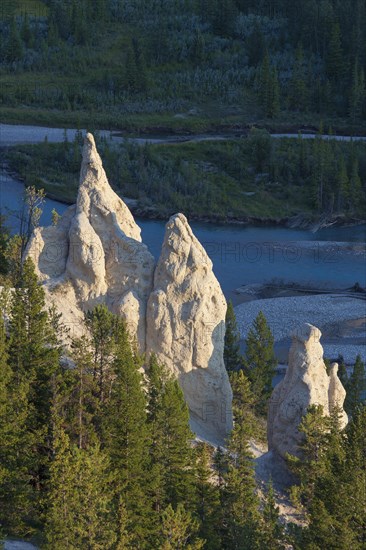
[{"x": 342, "y": 320}]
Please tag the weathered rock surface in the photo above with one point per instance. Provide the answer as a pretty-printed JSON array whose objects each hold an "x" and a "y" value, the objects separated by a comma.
[
  {"x": 186, "y": 327},
  {"x": 306, "y": 383},
  {"x": 95, "y": 255}
]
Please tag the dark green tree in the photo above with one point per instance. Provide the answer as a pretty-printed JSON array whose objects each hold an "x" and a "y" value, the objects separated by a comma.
[
  {"x": 171, "y": 453},
  {"x": 357, "y": 92},
  {"x": 240, "y": 521},
  {"x": 208, "y": 499},
  {"x": 256, "y": 46},
  {"x": 244, "y": 404},
  {"x": 179, "y": 530},
  {"x": 355, "y": 387},
  {"x": 335, "y": 59},
  {"x": 14, "y": 49},
  {"x": 26, "y": 32},
  {"x": 83, "y": 401},
  {"x": 4, "y": 242},
  {"x": 273, "y": 536},
  {"x": 260, "y": 361},
  {"x": 342, "y": 371},
  {"x": 269, "y": 90},
  {"x": 298, "y": 86},
  {"x": 79, "y": 508},
  {"x": 311, "y": 464},
  {"x": 125, "y": 436},
  {"x": 32, "y": 358},
  {"x": 356, "y": 482},
  {"x": 16, "y": 450},
  {"x": 233, "y": 359},
  {"x": 101, "y": 324},
  {"x": 343, "y": 187}
]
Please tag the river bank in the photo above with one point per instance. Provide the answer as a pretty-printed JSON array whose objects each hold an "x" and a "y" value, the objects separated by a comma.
[
  {"x": 178, "y": 124},
  {"x": 304, "y": 221},
  {"x": 201, "y": 176}
]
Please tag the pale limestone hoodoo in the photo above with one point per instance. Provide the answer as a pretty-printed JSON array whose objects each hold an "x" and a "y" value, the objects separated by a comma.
[
  {"x": 186, "y": 327},
  {"x": 306, "y": 383},
  {"x": 95, "y": 255}
]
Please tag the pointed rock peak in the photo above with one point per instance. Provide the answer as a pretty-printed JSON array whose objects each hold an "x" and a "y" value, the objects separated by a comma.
[
  {"x": 97, "y": 199},
  {"x": 307, "y": 333},
  {"x": 179, "y": 224},
  {"x": 91, "y": 166},
  {"x": 90, "y": 153},
  {"x": 180, "y": 241},
  {"x": 306, "y": 383}
]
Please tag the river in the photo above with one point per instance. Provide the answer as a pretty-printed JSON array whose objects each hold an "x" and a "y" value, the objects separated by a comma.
[{"x": 331, "y": 258}]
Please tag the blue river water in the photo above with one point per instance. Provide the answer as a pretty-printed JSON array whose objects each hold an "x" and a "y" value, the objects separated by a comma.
[{"x": 331, "y": 258}]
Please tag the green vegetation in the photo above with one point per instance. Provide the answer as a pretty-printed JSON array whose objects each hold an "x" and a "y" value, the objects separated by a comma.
[
  {"x": 255, "y": 177},
  {"x": 183, "y": 64},
  {"x": 331, "y": 489},
  {"x": 260, "y": 362},
  {"x": 233, "y": 359},
  {"x": 355, "y": 387},
  {"x": 101, "y": 456}
]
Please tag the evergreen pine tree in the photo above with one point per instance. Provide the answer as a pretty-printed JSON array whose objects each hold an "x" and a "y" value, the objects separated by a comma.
[
  {"x": 342, "y": 371},
  {"x": 357, "y": 92},
  {"x": 331, "y": 510},
  {"x": 274, "y": 105},
  {"x": 220, "y": 466},
  {"x": 131, "y": 71},
  {"x": 355, "y": 495},
  {"x": 335, "y": 60},
  {"x": 355, "y": 387},
  {"x": 172, "y": 455},
  {"x": 141, "y": 82},
  {"x": 14, "y": 49},
  {"x": 125, "y": 435},
  {"x": 273, "y": 533},
  {"x": 355, "y": 186},
  {"x": 16, "y": 449},
  {"x": 208, "y": 499},
  {"x": 4, "y": 241},
  {"x": 256, "y": 46},
  {"x": 31, "y": 356},
  {"x": 79, "y": 511},
  {"x": 26, "y": 32},
  {"x": 101, "y": 324},
  {"x": 260, "y": 361},
  {"x": 298, "y": 88},
  {"x": 241, "y": 521},
  {"x": 179, "y": 530},
  {"x": 232, "y": 358},
  {"x": 343, "y": 189},
  {"x": 83, "y": 402},
  {"x": 313, "y": 462},
  {"x": 243, "y": 404},
  {"x": 34, "y": 359}
]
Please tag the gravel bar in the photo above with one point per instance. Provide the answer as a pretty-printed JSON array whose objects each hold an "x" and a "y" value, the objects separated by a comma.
[{"x": 284, "y": 315}]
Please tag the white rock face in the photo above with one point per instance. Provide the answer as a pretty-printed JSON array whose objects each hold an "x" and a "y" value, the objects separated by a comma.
[
  {"x": 186, "y": 328},
  {"x": 95, "y": 255},
  {"x": 306, "y": 383}
]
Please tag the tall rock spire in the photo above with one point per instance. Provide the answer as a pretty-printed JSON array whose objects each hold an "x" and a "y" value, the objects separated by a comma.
[
  {"x": 186, "y": 328},
  {"x": 95, "y": 255},
  {"x": 306, "y": 383}
]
